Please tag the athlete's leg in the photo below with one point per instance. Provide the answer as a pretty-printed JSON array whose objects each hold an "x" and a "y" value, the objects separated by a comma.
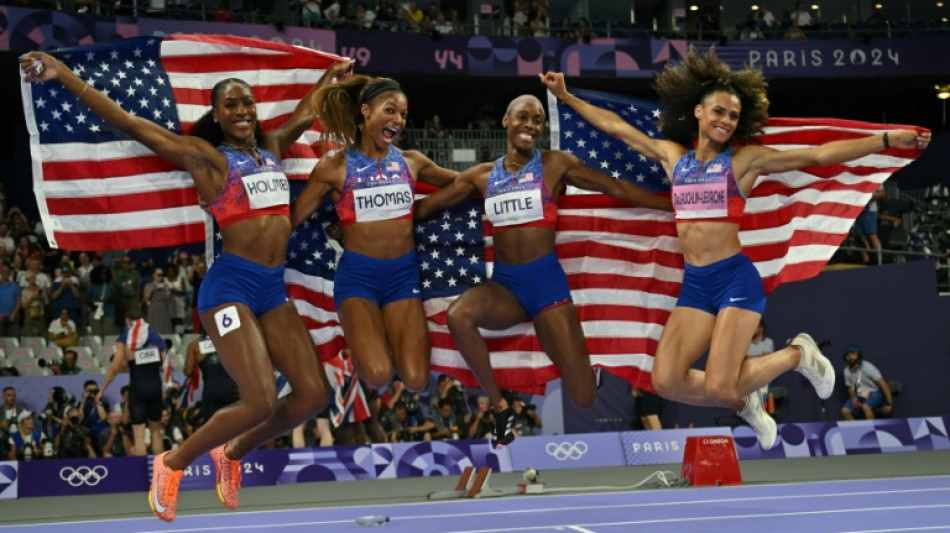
[
  {"x": 489, "y": 306},
  {"x": 292, "y": 352},
  {"x": 365, "y": 334},
  {"x": 560, "y": 334},
  {"x": 408, "y": 334}
]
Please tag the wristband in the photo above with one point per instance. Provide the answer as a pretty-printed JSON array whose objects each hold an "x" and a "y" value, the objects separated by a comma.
[{"x": 887, "y": 143}]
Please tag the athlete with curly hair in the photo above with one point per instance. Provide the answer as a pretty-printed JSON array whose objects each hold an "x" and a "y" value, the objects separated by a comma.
[{"x": 719, "y": 112}]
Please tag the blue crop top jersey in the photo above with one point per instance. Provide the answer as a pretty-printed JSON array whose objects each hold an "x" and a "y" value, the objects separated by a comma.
[
  {"x": 251, "y": 190},
  {"x": 375, "y": 190},
  {"x": 706, "y": 192},
  {"x": 521, "y": 199}
]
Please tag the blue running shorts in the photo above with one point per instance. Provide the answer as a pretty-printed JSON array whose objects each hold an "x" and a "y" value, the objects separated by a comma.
[
  {"x": 380, "y": 280},
  {"x": 732, "y": 282},
  {"x": 538, "y": 285},
  {"x": 234, "y": 279}
]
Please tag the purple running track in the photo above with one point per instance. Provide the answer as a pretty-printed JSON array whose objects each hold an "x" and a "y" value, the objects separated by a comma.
[{"x": 876, "y": 505}]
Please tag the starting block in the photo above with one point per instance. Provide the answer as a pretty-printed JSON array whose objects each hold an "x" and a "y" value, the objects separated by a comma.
[
  {"x": 475, "y": 485},
  {"x": 711, "y": 461}
]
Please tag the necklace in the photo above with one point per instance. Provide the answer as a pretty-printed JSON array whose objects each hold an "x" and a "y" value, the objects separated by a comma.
[
  {"x": 516, "y": 165},
  {"x": 250, "y": 146}
]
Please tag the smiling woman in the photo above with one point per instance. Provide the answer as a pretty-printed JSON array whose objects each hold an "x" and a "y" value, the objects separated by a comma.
[
  {"x": 376, "y": 288},
  {"x": 243, "y": 301}
]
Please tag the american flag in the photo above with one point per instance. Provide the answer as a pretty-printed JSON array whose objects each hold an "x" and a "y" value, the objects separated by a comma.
[{"x": 99, "y": 190}]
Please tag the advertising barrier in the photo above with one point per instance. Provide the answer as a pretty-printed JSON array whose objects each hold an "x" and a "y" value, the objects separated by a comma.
[{"x": 56, "y": 477}]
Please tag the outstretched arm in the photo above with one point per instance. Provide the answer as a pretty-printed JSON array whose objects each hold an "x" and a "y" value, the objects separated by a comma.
[
  {"x": 661, "y": 151},
  {"x": 306, "y": 110},
  {"x": 763, "y": 160},
  {"x": 190, "y": 153},
  {"x": 458, "y": 191},
  {"x": 580, "y": 175}
]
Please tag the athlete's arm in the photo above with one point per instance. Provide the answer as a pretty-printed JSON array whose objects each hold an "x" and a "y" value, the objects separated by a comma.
[
  {"x": 580, "y": 175},
  {"x": 462, "y": 188},
  {"x": 426, "y": 171}
]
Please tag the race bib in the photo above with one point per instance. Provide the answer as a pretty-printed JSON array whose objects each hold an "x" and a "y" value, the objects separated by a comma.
[
  {"x": 701, "y": 200},
  {"x": 206, "y": 346},
  {"x": 516, "y": 207},
  {"x": 227, "y": 320},
  {"x": 147, "y": 355},
  {"x": 266, "y": 189},
  {"x": 382, "y": 203}
]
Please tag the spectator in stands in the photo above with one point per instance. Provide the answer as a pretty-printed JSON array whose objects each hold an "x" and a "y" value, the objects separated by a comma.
[
  {"x": 434, "y": 128},
  {"x": 865, "y": 227},
  {"x": 74, "y": 440},
  {"x": 385, "y": 16},
  {"x": 66, "y": 367},
  {"x": 445, "y": 425},
  {"x": 10, "y": 302},
  {"x": 751, "y": 32},
  {"x": 64, "y": 293},
  {"x": 364, "y": 17},
  {"x": 377, "y": 287},
  {"x": 539, "y": 24},
  {"x": 565, "y": 30},
  {"x": 801, "y": 17},
  {"x": 7, "y": 244},
  {"x": 28, "y": 441},
  {"x": 333, "y": 14},
  {"x": 101, "y": 295},
  {"x": 84, "y": 269},
  {"x": 178, "y": 288},
  {"x": 528, "y": 282},
  {"x": 116, "y": 439},
  {"x": 443, "y": 26},
  {"x": 415, "y": 17},
  {"x": 42, "y": 279},
  {"x": 11, "y": 410},
  {"x": 764, "y": 18},
  {"x": 62, "y": 331},
  {"x": 128, "y": 287},
  {"x": 34, "y": 308},
  {"x": 311, "y": 13},
  {"x": 160, "y": 308},
  {"x": 867, "y": 389}
]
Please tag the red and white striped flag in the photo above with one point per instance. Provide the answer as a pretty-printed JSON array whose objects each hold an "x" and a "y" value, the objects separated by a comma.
[{"x": 99, "y": 190}]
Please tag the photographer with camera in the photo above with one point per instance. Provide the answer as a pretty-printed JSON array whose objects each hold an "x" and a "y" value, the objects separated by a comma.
[
  {"x": 28, "y": 441},
  {"x": 93, "y": 413},
  {"x": 445, "y": 425},
  {"x": 482, "y": 421},
  {"x": 526, "y": 419},
  {"x": 73, "y": 441},
  {"x": 66, "y": 367},
  {"x": 867, "y": 388},
  {"x": 52, "y": 415},
  {"x": 62, "y": 331},
  {"x": 116, "y": 439},
  {"x": 407, "y": 425}
]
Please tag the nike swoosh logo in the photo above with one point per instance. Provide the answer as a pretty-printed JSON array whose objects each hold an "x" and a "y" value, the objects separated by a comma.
[
  {"x": 415, "y": 291},
  {"x": 158, "y": 507},
  {"x": 731, "y": 300},
  {"x": 364, "y": 168}
]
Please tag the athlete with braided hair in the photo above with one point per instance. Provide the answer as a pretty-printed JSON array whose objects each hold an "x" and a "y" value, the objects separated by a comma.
[{"x": 718, "y": 112}]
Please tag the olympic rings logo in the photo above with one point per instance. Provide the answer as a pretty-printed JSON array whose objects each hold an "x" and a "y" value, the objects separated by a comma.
[
  {"x": 83, "y": 475},
  {"x": 566, "y": 450}
]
